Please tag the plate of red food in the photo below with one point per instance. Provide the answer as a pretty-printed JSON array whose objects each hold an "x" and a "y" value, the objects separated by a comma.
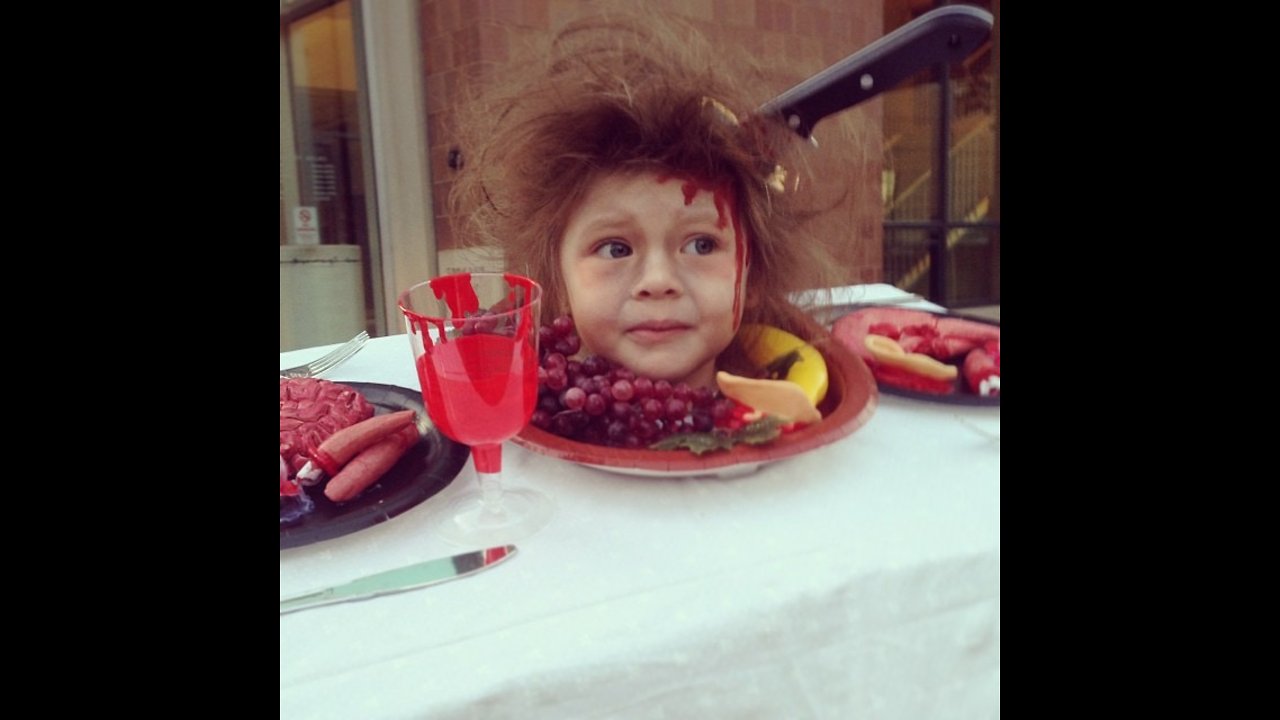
[
  {"x": 849, "y": 402},
  {"x": 428, "y": 465},
  {"x": 944, "y": 357}
]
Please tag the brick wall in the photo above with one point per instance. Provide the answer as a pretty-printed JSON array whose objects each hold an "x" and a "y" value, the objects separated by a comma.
[{"x": 463, "y": 40}]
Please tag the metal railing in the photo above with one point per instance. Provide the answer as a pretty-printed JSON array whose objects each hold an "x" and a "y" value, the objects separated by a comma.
[{"x": 970, "y": 171}]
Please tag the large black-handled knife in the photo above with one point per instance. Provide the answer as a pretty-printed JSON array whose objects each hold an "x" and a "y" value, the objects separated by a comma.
[{"x": 947, "y": 34}]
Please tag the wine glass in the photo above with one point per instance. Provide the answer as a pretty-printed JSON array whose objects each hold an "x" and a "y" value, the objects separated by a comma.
[{"x": 475, "y": 344}]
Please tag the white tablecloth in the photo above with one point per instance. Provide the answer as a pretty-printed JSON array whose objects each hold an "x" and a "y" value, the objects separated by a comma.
[{"x": 858, "y": 580}]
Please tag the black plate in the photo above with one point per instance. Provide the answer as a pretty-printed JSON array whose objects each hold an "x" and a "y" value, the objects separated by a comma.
[
  {"x": 962, "y": 395},
  {"x": 425, "y": 470}
]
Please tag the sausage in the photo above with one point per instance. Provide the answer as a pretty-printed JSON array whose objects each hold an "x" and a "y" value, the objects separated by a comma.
[
  {"x": 366, "y": 468},
  {"x": 344, "y": 444},
  {"x": 982, "y": 365}
]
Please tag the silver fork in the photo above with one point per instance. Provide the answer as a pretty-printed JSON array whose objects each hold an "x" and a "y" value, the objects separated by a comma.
[{"x": 329, "y": 361}]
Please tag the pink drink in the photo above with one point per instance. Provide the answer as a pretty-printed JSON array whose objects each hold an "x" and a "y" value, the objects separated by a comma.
[
  {"x": 475, "y": 343},
  {"x": 480, "y": 390}
]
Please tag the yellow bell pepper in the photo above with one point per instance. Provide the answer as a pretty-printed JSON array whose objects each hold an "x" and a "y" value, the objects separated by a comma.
[{"x": 765, "y": 344}]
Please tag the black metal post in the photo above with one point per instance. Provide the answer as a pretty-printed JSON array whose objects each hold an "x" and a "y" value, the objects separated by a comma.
[{"x": 938, "y": 239}]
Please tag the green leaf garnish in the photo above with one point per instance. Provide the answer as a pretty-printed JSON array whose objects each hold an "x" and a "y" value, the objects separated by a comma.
[
  {"x": 695, "y": 442},
  {"x": 757, "y": 433}
]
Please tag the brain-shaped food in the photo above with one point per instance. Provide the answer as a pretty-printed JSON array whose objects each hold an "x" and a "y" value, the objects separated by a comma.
[{"x": 312, "y": 410}]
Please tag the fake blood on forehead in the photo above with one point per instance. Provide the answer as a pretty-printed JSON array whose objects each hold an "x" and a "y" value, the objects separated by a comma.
[{"x": 722, "y": 195}]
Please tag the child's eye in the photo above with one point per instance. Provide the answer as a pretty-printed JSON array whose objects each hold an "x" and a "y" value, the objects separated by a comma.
[
  {"x": 613, "y": 249},
  {"x": 702, "y": 245}
]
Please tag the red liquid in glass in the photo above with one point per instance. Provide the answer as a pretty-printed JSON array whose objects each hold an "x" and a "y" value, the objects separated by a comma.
[{"x": 480, "y": 389}]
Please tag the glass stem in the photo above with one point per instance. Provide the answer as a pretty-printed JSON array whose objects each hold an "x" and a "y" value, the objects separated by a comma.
[
  {"x": 488, "y": 460},
  {"x": 491, "y": 492}
]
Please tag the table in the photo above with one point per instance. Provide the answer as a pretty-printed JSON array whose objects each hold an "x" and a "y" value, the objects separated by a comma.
[{"x": 858, "y": 580}]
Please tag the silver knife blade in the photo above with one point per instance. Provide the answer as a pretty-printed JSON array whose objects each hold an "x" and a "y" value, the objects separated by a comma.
[
  {"x": 409, "y": 577},
  {"x": 946, "y": 34}
]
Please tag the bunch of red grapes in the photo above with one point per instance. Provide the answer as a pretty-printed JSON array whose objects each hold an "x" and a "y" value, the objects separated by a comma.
[{"x": 594, "y": 401}]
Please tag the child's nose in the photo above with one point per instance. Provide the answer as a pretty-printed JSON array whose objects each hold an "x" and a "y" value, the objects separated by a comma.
[{"x": 658, "y": 277}]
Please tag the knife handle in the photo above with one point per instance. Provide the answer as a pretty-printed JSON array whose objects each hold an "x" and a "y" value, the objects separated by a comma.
[{"x": 947, "y": 34}]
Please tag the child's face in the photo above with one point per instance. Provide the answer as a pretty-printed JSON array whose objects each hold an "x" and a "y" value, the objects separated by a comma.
[{"x": 654, "y": 268}]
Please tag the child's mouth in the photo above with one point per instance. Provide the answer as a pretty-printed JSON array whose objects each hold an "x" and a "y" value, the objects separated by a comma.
[{"x": 656, "y": 332}]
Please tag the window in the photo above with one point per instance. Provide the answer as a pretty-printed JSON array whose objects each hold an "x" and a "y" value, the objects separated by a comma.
[{"x": 328, "y": 248}]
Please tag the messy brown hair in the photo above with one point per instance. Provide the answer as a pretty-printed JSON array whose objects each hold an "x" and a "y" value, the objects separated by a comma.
[{"x": 620, "y": 93}]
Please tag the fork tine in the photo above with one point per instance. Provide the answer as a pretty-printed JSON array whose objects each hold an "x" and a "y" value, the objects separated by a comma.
[
  {"x": 326, "y": 362},
  {"x": 339, "y": 355},
  {"x": 329, "y": 360},
  {"x": 354, "y": 345}
]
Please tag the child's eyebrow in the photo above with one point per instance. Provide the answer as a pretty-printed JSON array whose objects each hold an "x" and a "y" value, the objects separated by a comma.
[
  {"x": 703, "y": 215},
  {"x": 608, "y": 221},
  {"x": 611, "y": 219}
]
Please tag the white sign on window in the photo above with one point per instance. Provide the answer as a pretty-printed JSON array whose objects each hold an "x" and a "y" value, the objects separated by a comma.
[{"x": 306, "y": 226}]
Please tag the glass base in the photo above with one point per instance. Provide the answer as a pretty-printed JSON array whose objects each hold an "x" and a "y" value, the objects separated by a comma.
[{"x": 465, "y": 521}]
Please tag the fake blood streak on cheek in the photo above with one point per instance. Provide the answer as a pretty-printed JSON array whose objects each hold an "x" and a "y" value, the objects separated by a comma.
[{"x": 724, "y": 210}]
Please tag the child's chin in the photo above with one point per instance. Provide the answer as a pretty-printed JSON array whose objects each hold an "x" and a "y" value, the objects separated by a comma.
[{"x": 676, "y": 373}]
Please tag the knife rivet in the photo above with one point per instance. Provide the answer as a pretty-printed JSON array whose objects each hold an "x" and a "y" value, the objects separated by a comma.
[
  {"x": 865, "y": 81},
  {"x": 793, "y": 122}
]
